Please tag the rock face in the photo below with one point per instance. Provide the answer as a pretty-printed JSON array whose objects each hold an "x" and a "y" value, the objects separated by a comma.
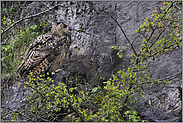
[
  {"x": 91, "y": 56},
  {"x": 163, "y": 103}
]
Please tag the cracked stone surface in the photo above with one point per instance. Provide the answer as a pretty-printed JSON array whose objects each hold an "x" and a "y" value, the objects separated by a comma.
[{"x": 91, "y": 55}]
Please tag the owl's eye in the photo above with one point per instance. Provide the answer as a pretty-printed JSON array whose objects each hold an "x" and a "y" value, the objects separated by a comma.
[{"x": 64, "y": 26}]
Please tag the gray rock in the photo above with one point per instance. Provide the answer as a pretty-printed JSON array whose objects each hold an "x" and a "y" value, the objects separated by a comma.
[{"x": 91, "y": 56}]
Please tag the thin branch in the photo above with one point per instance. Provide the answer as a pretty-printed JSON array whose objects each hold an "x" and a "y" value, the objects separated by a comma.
[
  {"x": 160, "y": 34},
  {"x": 35, "y": 90},
  {"x": 122, "y": 32},
  {"x": 143, "y": 35},
  {"x": 18, "y": 113},
  {"x": 28, "y": 18},
  {"x": 3, "y": 43},
  {"x": 169, "y": 77},
  {"x": 126, "y": 99},
  {"x": 135, "y": 39},
  {"x": 78, "y": 113},
  {"x": 57, "y": 116},
  {"x": 153, "y": 30}
]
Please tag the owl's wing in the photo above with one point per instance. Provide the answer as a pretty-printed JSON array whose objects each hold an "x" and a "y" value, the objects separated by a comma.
[
  {"x": 40, "y": 40},
  {"x": 37, "y": 53},
  {"x": 45, "y": 63},
  {"x": 41, "y": 54},
  {"x": 56, "y": 48}
]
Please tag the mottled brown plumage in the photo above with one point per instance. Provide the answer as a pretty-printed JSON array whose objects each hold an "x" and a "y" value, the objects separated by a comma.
[{"x": 47, "y": 51}]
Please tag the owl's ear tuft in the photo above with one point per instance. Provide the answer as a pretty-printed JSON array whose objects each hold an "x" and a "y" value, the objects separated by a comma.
[{"x": 58, "y": 23}]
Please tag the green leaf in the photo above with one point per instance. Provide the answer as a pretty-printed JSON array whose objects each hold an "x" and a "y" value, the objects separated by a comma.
[
  {"x": 146, "y": 19},
  {"x": 33, "y": 27},
  {"x": 114, "y": 47},
  {"x": 94, "y": 89},
  {"x": 80, "y": 30},
  {"x": 143, "y": 29},
  {"x": 120, "y": 55}
]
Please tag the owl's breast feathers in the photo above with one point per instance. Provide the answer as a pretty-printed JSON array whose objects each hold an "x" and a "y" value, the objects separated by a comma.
[{"x": 41, "y": 54}]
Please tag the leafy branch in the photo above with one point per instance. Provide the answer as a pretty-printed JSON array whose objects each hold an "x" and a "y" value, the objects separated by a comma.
[{"x": 142, "y": 55}]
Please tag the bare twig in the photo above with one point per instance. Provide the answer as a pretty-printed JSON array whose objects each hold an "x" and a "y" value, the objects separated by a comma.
[
  {"x": 169, "y": 77},
  {"x": 55, "y": 118},
  {"x": 135, "y": 39},
  {"x": 28, "y": 18},
  {"x": 122, "y": 32}
]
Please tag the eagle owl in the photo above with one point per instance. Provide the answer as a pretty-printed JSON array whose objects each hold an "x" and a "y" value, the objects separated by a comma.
[{"x": 47, "y": 51}]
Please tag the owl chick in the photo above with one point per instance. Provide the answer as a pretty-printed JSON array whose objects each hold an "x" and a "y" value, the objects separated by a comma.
[{"x": 47, "y": 51}]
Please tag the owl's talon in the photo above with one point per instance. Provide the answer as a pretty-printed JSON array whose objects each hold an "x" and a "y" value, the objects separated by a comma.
[
  {"x": 57, "y": 70},
  {"x": 52, "y": 73}
]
